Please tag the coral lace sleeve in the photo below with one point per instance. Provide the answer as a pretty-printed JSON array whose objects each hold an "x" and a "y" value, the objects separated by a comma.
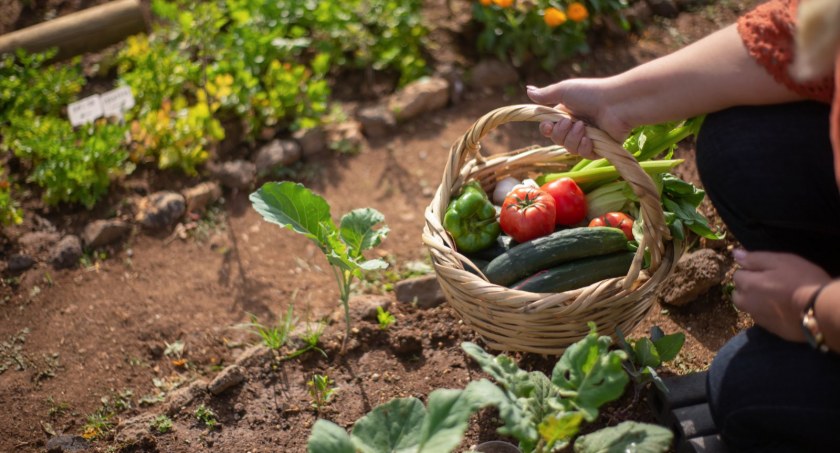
[{"x": 767, "y": 32}]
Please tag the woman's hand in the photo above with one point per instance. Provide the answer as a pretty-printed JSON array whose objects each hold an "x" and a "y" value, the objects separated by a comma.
[
  {"x": 774, "y": 288},
  {"x": 585, "y": 100}
]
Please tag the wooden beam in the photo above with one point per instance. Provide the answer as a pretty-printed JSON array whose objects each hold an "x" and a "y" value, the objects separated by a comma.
[{"x": 88, "y": 30}]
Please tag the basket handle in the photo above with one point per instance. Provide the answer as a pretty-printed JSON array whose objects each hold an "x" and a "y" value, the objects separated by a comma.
[{"x": 655, "y": 230}]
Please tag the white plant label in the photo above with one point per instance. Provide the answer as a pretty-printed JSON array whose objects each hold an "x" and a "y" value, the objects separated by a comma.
[
  {"x": 85, "y": 110},
  {"x": 117, "y": 101}
]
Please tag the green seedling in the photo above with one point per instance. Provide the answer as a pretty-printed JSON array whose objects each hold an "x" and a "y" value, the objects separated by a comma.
[
  {"x": 162, "y": 424},
  {"x": 645, "y": 355},
  {"x": 297, "y": 208},
  {"x": 277, "y": 336},
  {"x": 384, "y": 318},
  {"x": 206, "y": 417},
  {"x": 321, "y": 389}
]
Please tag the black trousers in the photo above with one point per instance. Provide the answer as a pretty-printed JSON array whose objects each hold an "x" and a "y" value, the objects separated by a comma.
[{"x": 769, "y": 172}]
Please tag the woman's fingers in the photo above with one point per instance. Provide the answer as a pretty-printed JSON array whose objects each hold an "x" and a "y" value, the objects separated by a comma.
[{"x": 570, "y": 135}]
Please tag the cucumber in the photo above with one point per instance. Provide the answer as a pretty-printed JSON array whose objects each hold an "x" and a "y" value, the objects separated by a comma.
[
  {"x": 502, "y": 245},
  {"x": 548, "y": 251},
  {"x": 577, "y": 274}
]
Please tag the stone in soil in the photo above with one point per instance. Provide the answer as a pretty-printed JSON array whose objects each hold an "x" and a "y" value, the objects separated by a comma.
[
  {"x": 277, "y": 153},
  {"x": 227, "y": 379},
  {"x": 425, "y": 291},
  {"x": 237, "y": 174},
  {"x": 160, "y": 210},
  {"x": 66, "y": 253},
  {"x": 202, "y": 195},
  {"x": 422, "y": 96},
  {"x": 312, "y": 141},
  {"x": 695, "y": 274},
  {"x": 66, "y": 443},
  {"x": 376, "y": 121},
  {"x": 18, "y": 263},
  {"x": 137, "y": 432},
  {"x": 104, "y": 232},
  {"x": 255, "y": 356},
  {"x": 492, "y": 74}
]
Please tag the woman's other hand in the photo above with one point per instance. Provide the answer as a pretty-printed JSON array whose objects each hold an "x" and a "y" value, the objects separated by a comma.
[{"x": 774, "y": 289}]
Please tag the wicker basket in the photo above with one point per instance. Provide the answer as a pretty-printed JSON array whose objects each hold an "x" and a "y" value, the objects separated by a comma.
[{"x": 512, "y": 320}]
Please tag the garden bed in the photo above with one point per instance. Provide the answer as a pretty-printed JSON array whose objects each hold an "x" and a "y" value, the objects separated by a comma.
[{"x": 92, "y": 345}]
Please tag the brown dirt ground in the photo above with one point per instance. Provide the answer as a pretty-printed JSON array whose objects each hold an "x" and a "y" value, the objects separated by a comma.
[{"x": 98, "y": 331}]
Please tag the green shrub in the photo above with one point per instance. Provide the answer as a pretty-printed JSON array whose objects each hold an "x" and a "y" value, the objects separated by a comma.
[
  {"x": 27, "y": 84},
  {"x": 10, "y": 212},
  {"x": 72, "y": 166}
]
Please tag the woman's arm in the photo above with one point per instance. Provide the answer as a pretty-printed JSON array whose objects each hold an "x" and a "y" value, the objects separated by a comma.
[{"x": 714, "y": 73}]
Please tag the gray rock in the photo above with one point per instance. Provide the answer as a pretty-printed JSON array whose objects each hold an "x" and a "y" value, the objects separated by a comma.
[
  {"x": 200, "y": 196},
  {"x": 492, "y": 74},
  {"x": 422, "y": 96},
  {"x": 184, "y": 396},
  {"x": 277, "y": 153},
  {"x": 695, "y": 274},
  {"x": 255, "y": 356},
  {"x": 66, "y": 252},
  {"x": 237, "y": 174},
  {"x": 38, "y": 241},
  {"x": 160, "y": 210},
  {"x": 312, "y": 141},
  {"x": 425, "y": 290},
  {"x": 66, "y": 443},
  {"x": 18, "y": 263},
  {"x": 376, "y": 121},
  {"x": 137, "y": 432},
  {"x": 226, "y": 379},
  {"x": 104, "y": 232}
]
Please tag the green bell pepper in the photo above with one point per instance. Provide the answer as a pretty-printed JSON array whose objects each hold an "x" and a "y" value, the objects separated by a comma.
[{"x": 471, "y": 219}]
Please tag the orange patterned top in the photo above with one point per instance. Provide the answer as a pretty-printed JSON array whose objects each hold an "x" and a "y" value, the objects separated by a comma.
[{"x": 768, "y": 33}]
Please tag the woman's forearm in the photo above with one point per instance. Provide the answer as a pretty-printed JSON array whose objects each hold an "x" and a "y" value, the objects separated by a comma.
[{"x": 710, "y": 75}]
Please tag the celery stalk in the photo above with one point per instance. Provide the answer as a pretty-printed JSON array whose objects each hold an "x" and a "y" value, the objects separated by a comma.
[{"x": 591, "y": 178}]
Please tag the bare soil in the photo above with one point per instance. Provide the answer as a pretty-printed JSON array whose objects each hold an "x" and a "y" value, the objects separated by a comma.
[{"x": 74, "y": 341}]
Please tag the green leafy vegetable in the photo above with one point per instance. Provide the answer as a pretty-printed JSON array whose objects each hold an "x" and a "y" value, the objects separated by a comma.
[{"x": 626, "y": 437}]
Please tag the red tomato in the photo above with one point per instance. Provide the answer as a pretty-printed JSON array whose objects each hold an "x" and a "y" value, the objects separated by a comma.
[
  {"x": 569, "y": 201},
  {"x": 618, "y": 220},
  {"x": 527, "y": 213}
]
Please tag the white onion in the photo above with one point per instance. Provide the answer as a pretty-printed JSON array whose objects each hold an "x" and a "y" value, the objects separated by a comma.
[{"x": 503, "y": 188}]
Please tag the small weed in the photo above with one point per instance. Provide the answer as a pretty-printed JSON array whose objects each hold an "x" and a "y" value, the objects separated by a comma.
[
  {"x": 206, "y": 416},
  {"x": 162, "y": 424},
  {"x": 174, "y": 350},
  {"x": 310, "y": 338},
  {"x": 11, "y": 352},
  {"x": 151, "y": 400},
  {"x": 57, "y": 409},
  {"x": 274, "y": 337},
  {"x": 385, "y": 318},
  {"x": 98, "y": 425},
  {"x": 321, "y": 389}
]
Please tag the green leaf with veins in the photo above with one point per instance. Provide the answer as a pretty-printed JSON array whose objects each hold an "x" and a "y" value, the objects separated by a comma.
[{"x": 297, "y": 208}]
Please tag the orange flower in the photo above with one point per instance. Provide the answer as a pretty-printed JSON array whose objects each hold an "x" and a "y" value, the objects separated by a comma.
[
  {"x": 554, "y": 17},
  {"x": 503, "y": 3},
  {"x": 486, "y": 2},
  {"x": 577, "y": 12}
]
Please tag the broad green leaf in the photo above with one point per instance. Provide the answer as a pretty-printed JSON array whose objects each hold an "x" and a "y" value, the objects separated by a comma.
[
  {"x": 357, "y": 230},
  {"x": 502, "y": 369},
  {"x": 626, "y": 437},
  {"x": 295, "y": 207},
  {"x": 590, "y": 374},
  {"x": 669, "y": 346},
  {"x": 449, "y": 411},
  {"x": 558, "y": 431},
  {"x": 646, "y": 353},
  {"x": 391, "y": 427},
  {"x": 327, "y": 437}
]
